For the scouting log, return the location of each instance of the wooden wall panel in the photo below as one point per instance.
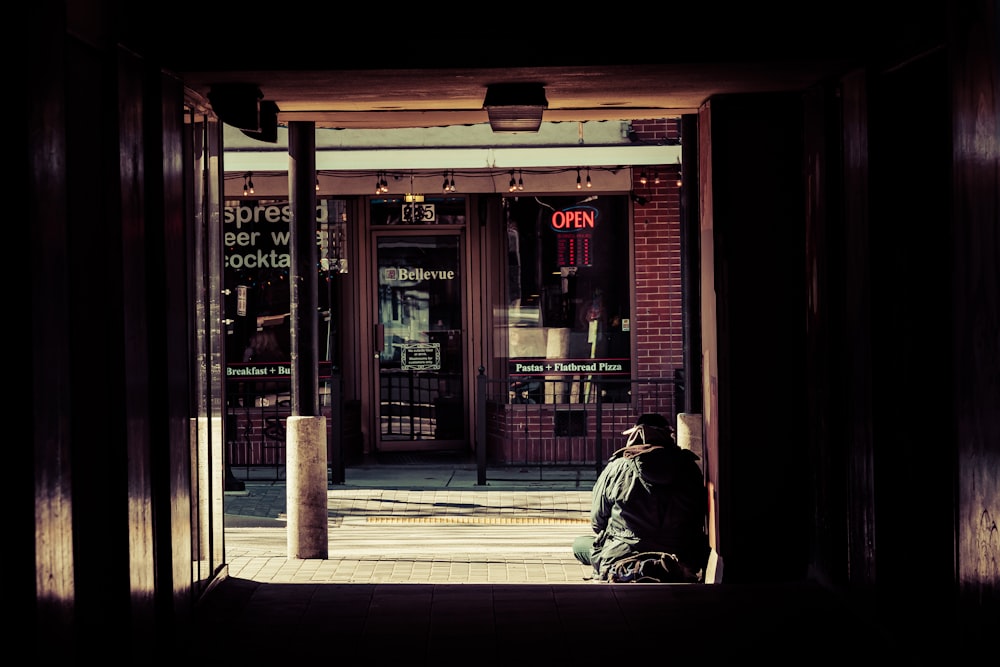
(757, 228)
(44, 519)
(975, 384)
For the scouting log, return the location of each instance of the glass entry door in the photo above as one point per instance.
(418, 342)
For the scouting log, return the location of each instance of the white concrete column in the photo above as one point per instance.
(689, 432)
(207, 472)
(305, 487)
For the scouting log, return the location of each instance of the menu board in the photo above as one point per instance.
(573, 249)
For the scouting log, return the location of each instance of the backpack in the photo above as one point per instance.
(650, 567)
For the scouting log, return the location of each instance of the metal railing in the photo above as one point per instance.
(552, 427)
(255, 427)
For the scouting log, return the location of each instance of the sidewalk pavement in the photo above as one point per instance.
(446, 475)
(400, 539)
(419, 524)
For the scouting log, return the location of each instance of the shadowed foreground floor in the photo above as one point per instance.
(426, 567)
(248, 622)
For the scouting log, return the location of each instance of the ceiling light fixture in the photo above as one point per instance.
(515, 107)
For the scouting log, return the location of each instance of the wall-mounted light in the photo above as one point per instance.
(589, 184)
(248, 183)
(515, 107)
(579, 184)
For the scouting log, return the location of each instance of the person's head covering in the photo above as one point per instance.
(653, 419)
(652, 445)
(650, 428)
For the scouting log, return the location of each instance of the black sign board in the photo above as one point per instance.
(420, 357)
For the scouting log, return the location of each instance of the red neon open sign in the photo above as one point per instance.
(574, 218)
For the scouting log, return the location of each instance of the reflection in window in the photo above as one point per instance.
(257, 263)
(568, 298)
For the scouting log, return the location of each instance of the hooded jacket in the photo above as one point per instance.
(650, 497)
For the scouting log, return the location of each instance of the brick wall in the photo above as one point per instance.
(657, 325)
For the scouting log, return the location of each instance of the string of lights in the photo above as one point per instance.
(382, 177)
(517, 180)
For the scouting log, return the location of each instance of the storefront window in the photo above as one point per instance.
(568, 293)
(258, 299)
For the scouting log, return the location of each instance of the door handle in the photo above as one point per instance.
(379, 342)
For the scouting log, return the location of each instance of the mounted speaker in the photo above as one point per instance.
(237, 104)
(268, 123)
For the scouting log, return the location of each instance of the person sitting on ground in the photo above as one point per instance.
(650, 496)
